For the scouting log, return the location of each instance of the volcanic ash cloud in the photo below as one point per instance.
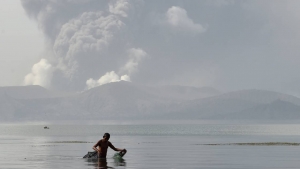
(80, 41)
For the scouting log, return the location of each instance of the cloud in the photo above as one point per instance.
(86, 35)
(109, 77)
(52, 14)
(251, 43)
(89, 38)
(125, 78)
(119, 7)
(41, 74)
(80, 34)
(135, 56)
(177, 17)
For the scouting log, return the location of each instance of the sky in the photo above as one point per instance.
(21, 43)
(80, 44)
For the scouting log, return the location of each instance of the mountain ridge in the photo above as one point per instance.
(126, 100)
(277, 109)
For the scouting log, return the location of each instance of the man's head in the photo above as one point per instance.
(106, 136)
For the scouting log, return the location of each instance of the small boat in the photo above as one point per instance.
(46, 127)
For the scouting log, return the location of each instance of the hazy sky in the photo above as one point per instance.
(21, 43)
(80, 44)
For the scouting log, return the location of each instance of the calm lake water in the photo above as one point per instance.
(150, 146)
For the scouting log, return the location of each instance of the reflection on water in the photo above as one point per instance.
(156, 146)
(98, 163)
(150, 130)
(119, 161)
(102, 162)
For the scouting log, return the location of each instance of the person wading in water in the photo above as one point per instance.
(102, 145)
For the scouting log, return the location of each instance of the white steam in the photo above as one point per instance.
(125, 78)
(135, 56)
(41, 74)
(177, 17)
(109, 77)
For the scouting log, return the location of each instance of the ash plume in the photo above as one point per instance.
(80, 35)
(91, 42)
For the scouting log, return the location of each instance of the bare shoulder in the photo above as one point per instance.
(110, 144)
(99, 142)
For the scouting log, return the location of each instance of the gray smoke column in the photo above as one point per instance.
(93, 42)
(81, 36)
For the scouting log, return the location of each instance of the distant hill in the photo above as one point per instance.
(11, 108)
(209, 108)
(259, 96)
(125, 100)
(184, 92)
(30, 92)
(221, 106)
(276, 110)
(122, 99)
(111, 101)
(25, 92)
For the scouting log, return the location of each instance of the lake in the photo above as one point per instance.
(185, 145)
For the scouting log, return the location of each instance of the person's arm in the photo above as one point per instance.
(96, 145)
(114, 148)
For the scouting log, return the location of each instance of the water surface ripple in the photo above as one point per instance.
(152, 146)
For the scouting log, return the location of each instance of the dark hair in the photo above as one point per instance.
(107, 135)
